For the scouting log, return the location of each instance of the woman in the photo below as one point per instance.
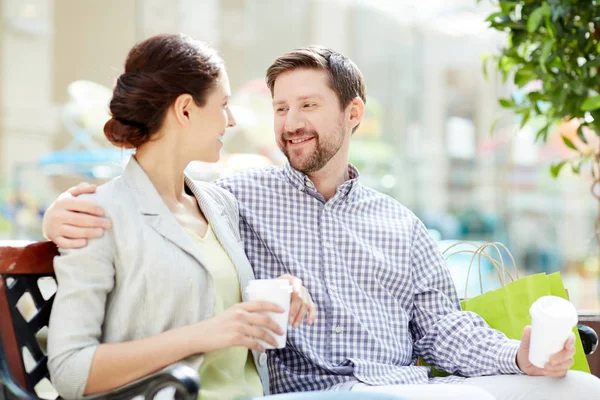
(164, 284)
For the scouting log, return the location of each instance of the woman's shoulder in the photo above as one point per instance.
(113, 196)
(218, 194)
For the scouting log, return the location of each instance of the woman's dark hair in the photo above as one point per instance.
(157, 71)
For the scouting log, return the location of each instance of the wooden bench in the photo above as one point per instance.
(27, 288)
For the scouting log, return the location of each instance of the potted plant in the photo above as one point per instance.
(552, 54)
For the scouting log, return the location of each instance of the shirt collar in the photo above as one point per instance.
(303, 182)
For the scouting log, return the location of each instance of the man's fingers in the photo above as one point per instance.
(76, 232)
(556, 373)
(82, 188)
(526, 338)
(313, 314)
(66, 243)
(80, 205)
(565, 354)
(560, 365)
(295, 308)
(82, 220)
(570, 343)
(303, 311)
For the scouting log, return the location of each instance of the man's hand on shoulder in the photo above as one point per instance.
(71, 220)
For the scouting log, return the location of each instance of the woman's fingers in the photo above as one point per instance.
(259, 333)
(264, 321)
(261, 306)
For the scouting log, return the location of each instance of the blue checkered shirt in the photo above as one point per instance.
(382, 289)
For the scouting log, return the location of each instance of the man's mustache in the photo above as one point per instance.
(299, 134)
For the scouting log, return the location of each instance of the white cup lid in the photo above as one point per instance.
(269, 284)
(554, 308)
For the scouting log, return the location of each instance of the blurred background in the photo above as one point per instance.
(427, 139)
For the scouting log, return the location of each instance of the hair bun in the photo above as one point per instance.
(124, 135)
(157, 71)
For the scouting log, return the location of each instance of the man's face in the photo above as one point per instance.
(309, 124)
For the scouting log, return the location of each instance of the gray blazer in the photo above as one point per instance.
(144, 276)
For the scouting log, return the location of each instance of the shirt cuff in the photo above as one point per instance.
(507, 357)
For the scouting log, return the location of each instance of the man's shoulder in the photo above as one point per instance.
(239, 180)
(386, 202)
(218, 194)
(213, 189)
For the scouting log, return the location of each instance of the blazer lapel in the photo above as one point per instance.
(156, 213)
(222, 227)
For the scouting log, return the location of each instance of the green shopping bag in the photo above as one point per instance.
(507, 308)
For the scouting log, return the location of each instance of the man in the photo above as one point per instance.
(383, 291)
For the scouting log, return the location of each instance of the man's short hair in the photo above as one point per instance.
(345, 79)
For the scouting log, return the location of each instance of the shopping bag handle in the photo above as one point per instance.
(480, 251)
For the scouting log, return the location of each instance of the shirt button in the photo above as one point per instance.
(309, 184)
(329, 245)
(332, 288)
(301, 188)
(338, 329)
(262, 359)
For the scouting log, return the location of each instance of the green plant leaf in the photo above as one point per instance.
(506, 103)
(579, 88)
(493, 125)
(551, 29)
(507, 6)
(535, 18)
(595, 62)
(542, 133)
(526, 116)
(524, 76)
(591, 103)
(555, 168)
(568, 142)
(580, 134)
(484, 59)
(495, 15)
(576, 168)
(545, 53)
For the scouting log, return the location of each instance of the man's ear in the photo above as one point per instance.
(357, 110)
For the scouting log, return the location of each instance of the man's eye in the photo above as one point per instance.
(310, 105)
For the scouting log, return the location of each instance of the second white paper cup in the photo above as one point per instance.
(552, 320)
(276, 291)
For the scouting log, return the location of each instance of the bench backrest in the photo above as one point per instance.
(27, 288)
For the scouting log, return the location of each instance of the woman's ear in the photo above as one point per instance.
(181, 108)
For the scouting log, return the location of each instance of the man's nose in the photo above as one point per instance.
(293, 122)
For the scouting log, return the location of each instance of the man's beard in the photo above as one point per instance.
(324, 151)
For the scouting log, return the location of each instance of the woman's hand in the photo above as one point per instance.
(301, 304)
(239, 325)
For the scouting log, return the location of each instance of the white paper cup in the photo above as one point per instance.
(552, 320)
(276, 291)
